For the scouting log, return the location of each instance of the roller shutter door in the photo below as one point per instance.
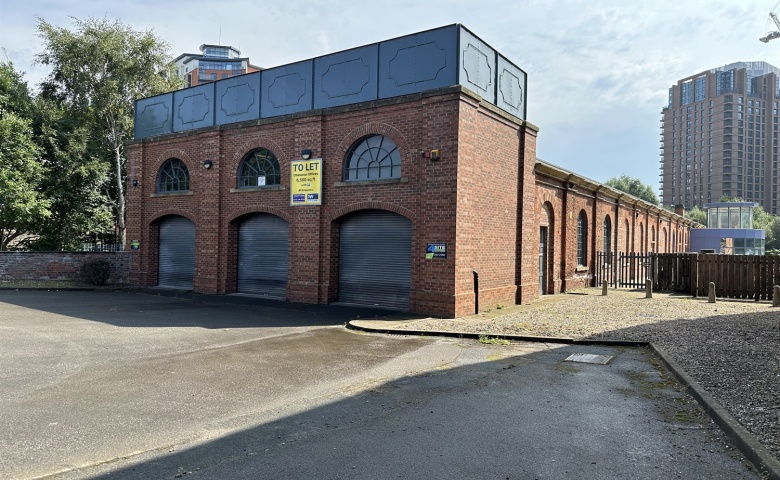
(263, 256)
(375, 259)
(176, 257)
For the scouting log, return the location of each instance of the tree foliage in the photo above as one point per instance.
(98, 70)
(697, 215)
(633, 186)
(22, 205)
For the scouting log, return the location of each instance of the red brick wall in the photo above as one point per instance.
(60, 265)
(483, 198)
(632, 227)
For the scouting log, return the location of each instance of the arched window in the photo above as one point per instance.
(258, 169)
(628, 237)
(653, 245)
(173, 177)
(582, 240)
(372, 158)
(607, 235)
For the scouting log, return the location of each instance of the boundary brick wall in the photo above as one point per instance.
(61, 265)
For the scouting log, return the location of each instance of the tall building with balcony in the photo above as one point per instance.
(215, 62)
(719, 137)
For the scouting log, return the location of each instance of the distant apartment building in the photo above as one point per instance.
(215, 62)
(720, 137)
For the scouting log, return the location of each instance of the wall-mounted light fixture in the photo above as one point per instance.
(207, 164)
(306, 154)
(637, 214)
(135, 182)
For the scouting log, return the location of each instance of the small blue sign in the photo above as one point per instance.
(299, 197)
(312, 196)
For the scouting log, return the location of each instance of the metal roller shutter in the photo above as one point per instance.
(263, 256)
(375, 259)
(176, 257)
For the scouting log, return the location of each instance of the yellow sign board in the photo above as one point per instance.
(306, 182)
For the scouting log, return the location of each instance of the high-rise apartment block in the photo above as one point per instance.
(215, 62)
(720, 137)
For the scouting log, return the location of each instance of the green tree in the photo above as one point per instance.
(75, 181)
(22, 206)
(633, 186)
(697, 215)
(98, 70)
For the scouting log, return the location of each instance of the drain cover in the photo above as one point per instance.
(589, 358)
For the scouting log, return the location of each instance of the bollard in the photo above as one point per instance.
(776, 296)
(648, 288)
(604, 288)
(712, 292)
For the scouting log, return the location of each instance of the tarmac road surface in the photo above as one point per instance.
(133, 385)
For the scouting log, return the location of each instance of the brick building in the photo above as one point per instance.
(424, 175)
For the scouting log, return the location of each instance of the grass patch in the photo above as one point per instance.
(488, 340)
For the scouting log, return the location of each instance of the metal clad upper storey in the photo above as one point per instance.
(418, 62)
(442, 57)
(477, 66)
(154, 116)
(194, 108)
(287, 89)
(238, 99)
(346, 77)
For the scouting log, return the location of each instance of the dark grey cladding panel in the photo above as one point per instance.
(477, 66)
(154, 116)
(346, 77)
(286, 89)
(512, 88)
(238, 99)
(193, 107)
(418, 62)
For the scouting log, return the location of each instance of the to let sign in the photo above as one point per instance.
(306, 182)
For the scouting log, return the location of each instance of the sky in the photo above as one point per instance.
(599, 71)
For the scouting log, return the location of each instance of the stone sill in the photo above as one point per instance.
(372, 182)
(257, 189)
(171, 194)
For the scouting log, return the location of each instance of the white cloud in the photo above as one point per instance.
(599, 71)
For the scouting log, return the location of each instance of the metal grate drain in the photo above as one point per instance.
(589, 358)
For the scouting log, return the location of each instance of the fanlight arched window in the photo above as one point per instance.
(372, 158)
(258, 169)
(582, 240)
(173, 177)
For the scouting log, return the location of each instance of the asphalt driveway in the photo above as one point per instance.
(140, 385)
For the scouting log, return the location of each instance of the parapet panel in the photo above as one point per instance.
(424, 61)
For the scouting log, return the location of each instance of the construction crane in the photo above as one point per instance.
(771, 35)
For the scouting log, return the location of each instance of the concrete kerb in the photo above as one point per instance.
(762, 459)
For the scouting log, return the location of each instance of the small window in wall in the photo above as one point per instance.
(258, 169)
(173, 177)
(582, 240)
(372, 158)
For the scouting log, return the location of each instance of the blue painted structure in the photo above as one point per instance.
(729, 230)
(423, 61)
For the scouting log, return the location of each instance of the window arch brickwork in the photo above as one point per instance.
(375, 157)
(173, 177)
(259, 168)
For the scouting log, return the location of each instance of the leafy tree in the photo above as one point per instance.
(76, 177)
(697, 215)
(21, 204)
(98, 70)
(22, 207)
(633, 186)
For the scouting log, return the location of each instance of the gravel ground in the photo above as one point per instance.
(731, 348)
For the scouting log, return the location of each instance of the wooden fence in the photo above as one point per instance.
(735, 276)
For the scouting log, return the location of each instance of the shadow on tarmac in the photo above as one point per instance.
(168, 308)
(522, 417)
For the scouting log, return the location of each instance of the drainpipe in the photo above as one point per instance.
(476, 291)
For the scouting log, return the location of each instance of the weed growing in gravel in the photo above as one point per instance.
(493, 340)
